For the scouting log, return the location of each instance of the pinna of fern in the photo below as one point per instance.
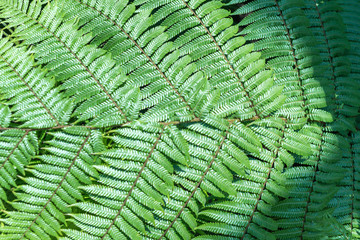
(346, 201)
(158, 74)
(35, 101)
(350, 14)
(248, 213)
(144, 53)
(144, 169)
(209, 170)
(87, 74)
(312, 186)
(279, 29)
(52, 185)
(341, 88)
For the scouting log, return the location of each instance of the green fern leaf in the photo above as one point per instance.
(35, 101)
(93, 81)
(143, 163)
(345, 201)
(248, 213)
(53, 184)
(17, 148)
(312, 186)
(328, 28)
(279, 30)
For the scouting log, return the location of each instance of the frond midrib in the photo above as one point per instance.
(293, 53)
(316, 170)
(330, 57)
(264, 185)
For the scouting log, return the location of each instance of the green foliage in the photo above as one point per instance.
(179, 119)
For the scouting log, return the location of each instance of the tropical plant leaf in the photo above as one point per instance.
(179, 119)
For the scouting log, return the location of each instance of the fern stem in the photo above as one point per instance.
(252, 105)
(58, 187)
(195, 120)
(31, 90)
(142, 51)
(135, 182)
(198, 184)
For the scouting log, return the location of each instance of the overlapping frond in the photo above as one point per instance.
(134, 183)
(17, 147)
(342, 91)
(215, 154)
(52, 185)
(346, 201)
(203, 30)
(248, 214)
(350, 12)
(88, 74)
(145, 54)
(279, 30)
(35, 100)
(168, 119)
(312, 185)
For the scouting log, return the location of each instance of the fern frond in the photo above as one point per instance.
(17, 147)
(312, 186)
(279, 30)
(203, 30)
(346, 200)
(230, 215)
(350, 13)
(145, 54)
(43, 201)
(213, 155)
(134, 183)
(248, 214)
(208, 172)
(329, 30)
(89, 75)
(35, 101)
(169, 119)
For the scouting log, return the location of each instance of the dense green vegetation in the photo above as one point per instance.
(179, 119)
